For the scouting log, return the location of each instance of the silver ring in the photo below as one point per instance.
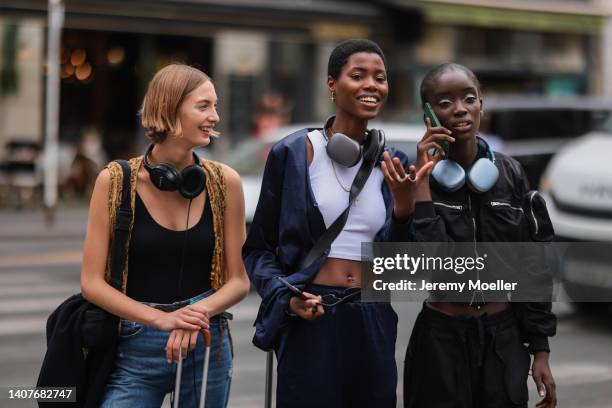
(406, 177)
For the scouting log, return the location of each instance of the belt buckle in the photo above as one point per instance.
(331, 300)
(166, 308)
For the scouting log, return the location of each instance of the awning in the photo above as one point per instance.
(555, 19)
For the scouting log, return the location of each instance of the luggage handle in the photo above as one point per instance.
(179, 370)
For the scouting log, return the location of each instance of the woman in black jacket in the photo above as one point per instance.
(471, 351)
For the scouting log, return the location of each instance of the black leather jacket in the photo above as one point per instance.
(509, 212)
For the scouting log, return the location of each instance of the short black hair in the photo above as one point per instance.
(429, 82)
(345, 49)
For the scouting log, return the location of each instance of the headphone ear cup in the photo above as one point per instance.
(482, 176)
(449, 175)
(343, 150)
(382, 142)
(376, 146)
(372, 144)
(165, 177)
(193, 181)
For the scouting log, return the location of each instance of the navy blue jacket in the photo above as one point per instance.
(286, 225)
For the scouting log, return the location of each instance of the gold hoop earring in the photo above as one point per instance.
(333, 97)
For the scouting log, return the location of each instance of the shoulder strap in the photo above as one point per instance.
(332, 232)
(122, 227)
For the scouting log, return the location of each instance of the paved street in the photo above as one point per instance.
(39, 267)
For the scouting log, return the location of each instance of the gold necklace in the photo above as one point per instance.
(338, 179)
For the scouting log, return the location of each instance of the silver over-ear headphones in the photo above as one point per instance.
(346, 151)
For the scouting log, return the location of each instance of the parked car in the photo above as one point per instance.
(577, 185)
(249, 157)
(533, 129)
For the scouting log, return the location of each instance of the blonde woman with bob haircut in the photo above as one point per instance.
(184, 267)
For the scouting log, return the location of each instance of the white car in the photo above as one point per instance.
(248, 158)
(577, 186)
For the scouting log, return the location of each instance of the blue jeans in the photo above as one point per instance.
(142, 376)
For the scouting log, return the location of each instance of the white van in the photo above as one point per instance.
(577, 186)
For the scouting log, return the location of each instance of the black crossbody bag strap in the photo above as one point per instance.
(123, 220)
(332, 232)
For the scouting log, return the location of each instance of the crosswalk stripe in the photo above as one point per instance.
(29, 305)
(23, 277)
(29, 290)
(22, 325)
(52, 258)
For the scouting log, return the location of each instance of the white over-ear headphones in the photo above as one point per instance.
(481, 177)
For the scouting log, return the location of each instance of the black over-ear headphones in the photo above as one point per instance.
(189, 182)
(347, 152)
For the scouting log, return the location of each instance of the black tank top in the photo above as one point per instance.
(154, 266)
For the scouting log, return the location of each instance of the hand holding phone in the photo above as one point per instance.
(292, 288)
(315, 310)
(435, 122)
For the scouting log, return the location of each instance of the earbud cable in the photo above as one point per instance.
(180, 282)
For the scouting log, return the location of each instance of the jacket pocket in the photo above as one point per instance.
(507, 221)
(440, 205)
(515, 360)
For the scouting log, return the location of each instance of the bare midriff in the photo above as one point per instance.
(346, 273)
(339, 272)
(456, 309)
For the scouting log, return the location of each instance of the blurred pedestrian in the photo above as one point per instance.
(272, 111)
(469, 352)
(184, 259)
(331, 353)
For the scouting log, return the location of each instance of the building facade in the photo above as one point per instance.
(111, 48)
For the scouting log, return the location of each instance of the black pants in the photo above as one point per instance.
(345, 358)
(465, 362)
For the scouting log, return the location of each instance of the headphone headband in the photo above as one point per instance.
(148, 166)
(488, 150)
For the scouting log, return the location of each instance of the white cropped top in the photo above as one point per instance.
(331, 183)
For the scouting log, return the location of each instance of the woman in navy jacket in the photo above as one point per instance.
(342, 355)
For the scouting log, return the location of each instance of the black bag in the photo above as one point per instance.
(81, 337)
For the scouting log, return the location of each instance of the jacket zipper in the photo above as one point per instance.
(454, 207)
(473, 221)
(502, 204)
(535, 220)
(475, 250)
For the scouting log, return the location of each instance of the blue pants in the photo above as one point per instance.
(345, 358)
(142, 376)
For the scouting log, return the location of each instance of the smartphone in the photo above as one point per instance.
(292, 288)
(435, 122)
